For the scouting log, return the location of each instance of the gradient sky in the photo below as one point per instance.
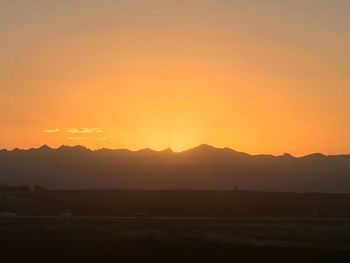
(268, 76)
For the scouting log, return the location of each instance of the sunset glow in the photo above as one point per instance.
(255, 76)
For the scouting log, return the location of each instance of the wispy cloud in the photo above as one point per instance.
(77, 138)
(84, 130)
(52, 130)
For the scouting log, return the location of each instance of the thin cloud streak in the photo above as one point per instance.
(52, 130)
(77, 138)
(84, 130)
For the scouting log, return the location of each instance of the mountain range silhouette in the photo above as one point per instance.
(202, 167)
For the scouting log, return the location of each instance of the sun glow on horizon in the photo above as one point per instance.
(258, 77)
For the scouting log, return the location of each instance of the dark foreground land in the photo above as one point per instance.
(131, 203)
(53, 239)
(173, 226)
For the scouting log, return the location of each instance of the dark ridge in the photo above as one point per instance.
(202, 167)
(315, 155)
(73, 148)
(287, 155)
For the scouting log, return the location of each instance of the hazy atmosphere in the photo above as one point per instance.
(175, 131)
(257, 76)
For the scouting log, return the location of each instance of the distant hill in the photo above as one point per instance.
(203, 167)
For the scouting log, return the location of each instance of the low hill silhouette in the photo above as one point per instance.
(203, 167)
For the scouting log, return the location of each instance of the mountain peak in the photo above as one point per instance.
(203, 167)
(315, 155)
(17, 150)
(45, 147)
(203, 147)
(145, 150)
(287, 155)
(206, 148)
(76, 147)
(168, 150)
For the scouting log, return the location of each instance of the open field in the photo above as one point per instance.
(174, 226)
(130, 203)
(54, 239)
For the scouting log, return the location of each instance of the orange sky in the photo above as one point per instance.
(257, 76)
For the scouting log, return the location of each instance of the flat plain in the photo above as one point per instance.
(173, 226)
(87, 239)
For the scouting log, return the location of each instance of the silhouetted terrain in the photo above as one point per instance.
(40, 239)
(203, 167)
(131, 203)
(172, 226)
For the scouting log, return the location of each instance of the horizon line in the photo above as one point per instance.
(168, 149)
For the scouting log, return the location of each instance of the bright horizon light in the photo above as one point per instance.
(255, 76)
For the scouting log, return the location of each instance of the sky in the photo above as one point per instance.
(268, 76)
